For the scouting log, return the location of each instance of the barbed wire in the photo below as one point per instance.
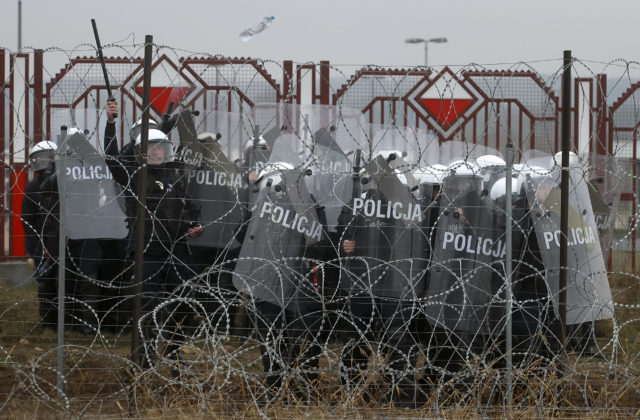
(353, 254)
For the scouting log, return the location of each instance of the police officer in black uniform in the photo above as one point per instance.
(82, 259)
(41, 160)
(383, 276)
(116, 267)
(169, 218)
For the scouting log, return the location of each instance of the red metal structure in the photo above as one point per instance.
(487, 107)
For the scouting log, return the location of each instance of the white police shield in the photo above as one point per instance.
(385, 223)
(460, 277)
(330, 181)
(284, 223)
(92, 206)
(588, 293)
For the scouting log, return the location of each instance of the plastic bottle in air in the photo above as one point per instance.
(264, 23)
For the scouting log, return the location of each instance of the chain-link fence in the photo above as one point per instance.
(293, 239)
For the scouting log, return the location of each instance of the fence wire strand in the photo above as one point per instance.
(320, 241)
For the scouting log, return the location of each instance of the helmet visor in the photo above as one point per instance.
(41, 160)
(159, 153)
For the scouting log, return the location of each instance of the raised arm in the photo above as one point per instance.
(116, 166)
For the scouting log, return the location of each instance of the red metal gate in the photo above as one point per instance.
(487, 107)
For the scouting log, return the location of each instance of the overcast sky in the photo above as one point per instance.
(354, 32)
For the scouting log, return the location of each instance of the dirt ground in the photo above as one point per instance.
(222, 381)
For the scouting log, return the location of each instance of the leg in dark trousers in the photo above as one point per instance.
(271, 324)
(214, 288)
(115, 272)
(84, 257)
(400, 346)
(47, 279)
(164, 312)
(308, 332)
(358, 342)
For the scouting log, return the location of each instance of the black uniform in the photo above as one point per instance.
(383, 278)
(280, 240)
(33, 215)
(169, 213)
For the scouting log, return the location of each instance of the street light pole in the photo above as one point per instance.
(426, 45)
(19, 25)
(426, 54)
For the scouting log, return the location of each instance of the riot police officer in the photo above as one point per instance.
(41, 160)
(170, 217)
(383, 261)
(116, 267)
(274, 262)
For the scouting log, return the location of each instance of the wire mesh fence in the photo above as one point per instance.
(385, 242)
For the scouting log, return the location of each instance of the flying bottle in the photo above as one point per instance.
(263, 24)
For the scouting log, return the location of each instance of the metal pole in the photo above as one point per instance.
(19, 25)
(426, 54)
(62, 254)
(564, 197)
(142, 200)
(508, 267)
(636, 201)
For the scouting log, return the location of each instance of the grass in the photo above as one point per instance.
(222, 378)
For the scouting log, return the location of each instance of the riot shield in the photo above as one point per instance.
(234, 129)
(257, 150)
(92, 207)
(588, 292)
(407, 149)
(464, 151)
(385, 222)
(428, 195)
(213, 182)
(331, 181)
(605, 188)
(418, 146)
(283, 224)
(460, 278)
(305, 120)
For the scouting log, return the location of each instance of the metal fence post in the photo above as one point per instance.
(62, 255)
(564, 198)
(508, 273)
(142, 201)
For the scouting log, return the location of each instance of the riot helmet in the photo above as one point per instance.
(258, 143)
(499, 189)
(556, 160)
(42, 155)
(134, 132)
(74, 130)
(272, 173)
(430, 179)
(489, 161)
(160, 150)
(207, 136)
(431, 174)
(462, 176)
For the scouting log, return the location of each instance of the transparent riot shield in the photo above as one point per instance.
(605, 187)
(385, 223)
(284, 223)
(461, 277)
(454, 150)
(213, 180)
(234, 129)
(588, 292)
(331, 182)
(92, 207)
(305, 120)
(418, 146)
